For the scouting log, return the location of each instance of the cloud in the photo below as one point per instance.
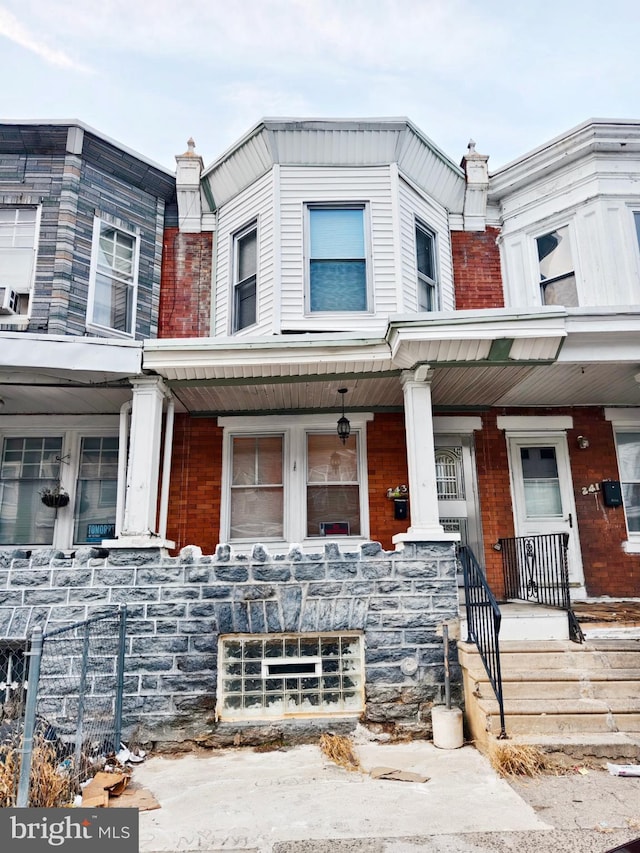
(12, 29)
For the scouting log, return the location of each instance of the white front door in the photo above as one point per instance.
(543, 493)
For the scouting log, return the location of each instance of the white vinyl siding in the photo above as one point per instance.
(604, 253)
(253, 204)
(370, 187)
(414, 207)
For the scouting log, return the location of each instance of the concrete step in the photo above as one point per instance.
(556, 690)
(557, 724)
(554, 655)
(563, 684)
(572, 747)
(526, 622)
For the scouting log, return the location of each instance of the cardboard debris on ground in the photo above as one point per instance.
(103, 785)
(135, 798)
(397, 775)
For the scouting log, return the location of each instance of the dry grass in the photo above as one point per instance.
(49, 787)
(514, 759)
(339, 749)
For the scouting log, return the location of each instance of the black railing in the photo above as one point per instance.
(483, 623)
(536, 570)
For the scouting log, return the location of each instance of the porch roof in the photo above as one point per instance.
(479, 358)
(64, 373)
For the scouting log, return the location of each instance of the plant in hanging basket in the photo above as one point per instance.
(55, 497)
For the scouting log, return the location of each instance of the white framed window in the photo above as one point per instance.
(245, 271)
(293, 482)
(428, 297)
(18, 248)
(626, 432)
(263, 676)
(81, 461)
(636, 220)
(628, 448)
(114, 279)
(557, 268)
(257, 487)
(337, 258)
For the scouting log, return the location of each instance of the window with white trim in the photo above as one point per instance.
(81, 463)
(114, 278)
(333, 486)
(636, 219)
(426, 268)
(286, 675)
(245, 269)
(557, 269)
(337, 258)
(257, 489)
(18, 246)
(293, 482)
(628, 446)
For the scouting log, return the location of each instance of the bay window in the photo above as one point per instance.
(245, 267)
(426, 269)
(557, 272)
(337, 258)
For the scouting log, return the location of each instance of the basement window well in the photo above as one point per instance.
(290, 675)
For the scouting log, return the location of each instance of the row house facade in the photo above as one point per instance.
(357, 355)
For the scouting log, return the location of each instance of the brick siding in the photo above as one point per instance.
(185, 296)
(476, 269)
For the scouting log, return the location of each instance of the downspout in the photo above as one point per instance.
(166, 468)
(123, 458)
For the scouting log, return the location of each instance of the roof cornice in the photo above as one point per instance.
(592, 137)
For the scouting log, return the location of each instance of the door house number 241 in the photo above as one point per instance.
(592, 487)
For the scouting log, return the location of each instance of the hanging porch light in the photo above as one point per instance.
(344, 426)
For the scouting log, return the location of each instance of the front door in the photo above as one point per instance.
(543, 493)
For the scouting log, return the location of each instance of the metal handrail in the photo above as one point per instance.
(483, 623)
(536, 570)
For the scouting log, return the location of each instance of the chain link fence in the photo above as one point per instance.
(65, 697)
(13, 665)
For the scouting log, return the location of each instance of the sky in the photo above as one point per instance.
(511, 74)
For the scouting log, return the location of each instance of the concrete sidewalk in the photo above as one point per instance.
(297, 800)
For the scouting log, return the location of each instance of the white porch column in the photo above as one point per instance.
(139, 526)
(423, 494)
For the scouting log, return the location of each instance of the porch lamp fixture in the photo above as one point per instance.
(344, 427)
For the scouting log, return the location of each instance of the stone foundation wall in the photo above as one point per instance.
(178, 606)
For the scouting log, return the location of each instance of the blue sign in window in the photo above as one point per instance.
(98, 532)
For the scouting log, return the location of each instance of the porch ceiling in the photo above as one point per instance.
(453, 387)
(50, 399)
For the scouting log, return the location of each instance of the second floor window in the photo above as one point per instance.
(17, 257)
(112, 302)
(337, 258)
(426, 266)
(557, 274)
(245, 267)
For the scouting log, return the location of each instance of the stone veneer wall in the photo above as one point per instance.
(177, 607)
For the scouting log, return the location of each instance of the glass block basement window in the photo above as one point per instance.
(278, 675)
